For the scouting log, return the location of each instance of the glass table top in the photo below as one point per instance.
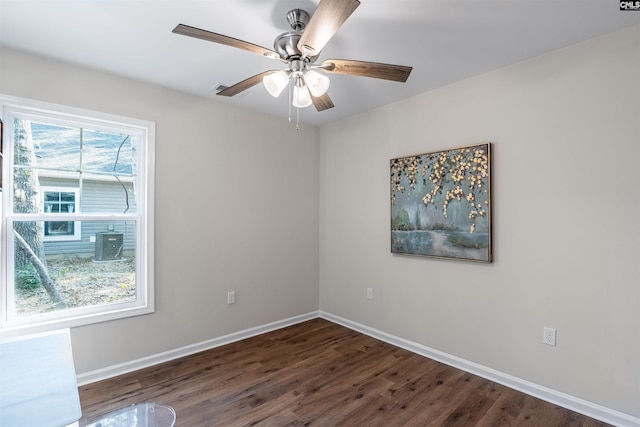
(148, 414)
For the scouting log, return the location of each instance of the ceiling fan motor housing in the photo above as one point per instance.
(286, 44)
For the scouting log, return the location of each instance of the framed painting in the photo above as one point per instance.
(441, 204)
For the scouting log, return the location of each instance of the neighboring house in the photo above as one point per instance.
(97, 181)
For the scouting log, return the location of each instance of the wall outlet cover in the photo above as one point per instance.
(549, 336)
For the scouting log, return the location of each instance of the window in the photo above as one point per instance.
(77, 216)
(60, 200)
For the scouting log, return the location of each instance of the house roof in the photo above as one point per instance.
(103, 154)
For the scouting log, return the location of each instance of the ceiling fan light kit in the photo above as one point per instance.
(299, 49)
(317, 83)
(301, 95)
(276, 82)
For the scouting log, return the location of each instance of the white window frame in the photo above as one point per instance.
(144, 131)
(77, 231)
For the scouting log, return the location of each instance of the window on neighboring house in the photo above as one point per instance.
(77, 216)
(61, 200)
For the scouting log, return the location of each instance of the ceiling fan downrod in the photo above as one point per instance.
(298, 19)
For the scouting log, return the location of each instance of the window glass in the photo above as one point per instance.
(75, 241)
(84, 275)
(60, 201)
(55, 147)
(108, 153)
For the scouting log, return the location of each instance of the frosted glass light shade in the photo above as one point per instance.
(301, 97)
(275, 83)
(317, 83)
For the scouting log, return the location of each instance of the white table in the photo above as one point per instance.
(38, 385)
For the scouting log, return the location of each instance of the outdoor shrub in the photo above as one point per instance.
(27, 278)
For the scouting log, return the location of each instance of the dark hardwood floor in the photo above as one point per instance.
(318, 373)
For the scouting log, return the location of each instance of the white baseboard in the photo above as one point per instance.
(123, 368)
(573, 403)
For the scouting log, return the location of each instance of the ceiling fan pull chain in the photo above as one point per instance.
(290, 101)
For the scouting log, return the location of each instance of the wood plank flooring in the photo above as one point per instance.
(318, 373)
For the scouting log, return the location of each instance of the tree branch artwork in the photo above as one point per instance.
(441, 204)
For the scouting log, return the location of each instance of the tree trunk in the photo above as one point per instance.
(45, 279)
(26, 194)
(29, 235)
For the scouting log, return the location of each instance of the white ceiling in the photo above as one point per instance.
(444, 40)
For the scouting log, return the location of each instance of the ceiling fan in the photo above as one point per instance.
(299, 49)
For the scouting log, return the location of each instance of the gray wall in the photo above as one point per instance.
(236, 208)
(565, 202)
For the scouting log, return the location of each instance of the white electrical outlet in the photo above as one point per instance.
(549, 336)
(369, 293)
(231, 297)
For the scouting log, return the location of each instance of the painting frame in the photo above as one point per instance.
(441, 204)
(1, 152)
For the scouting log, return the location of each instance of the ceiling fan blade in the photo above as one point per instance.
(328, 17)
(322, 102)
(398, 73)
(186, 30)
(245, 84)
